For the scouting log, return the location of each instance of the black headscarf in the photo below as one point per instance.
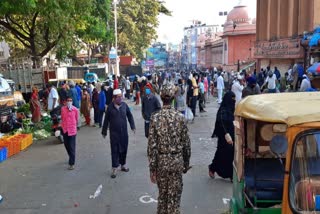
(225, 116)
(228, 102)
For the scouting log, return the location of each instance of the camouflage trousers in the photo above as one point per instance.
(170, 190)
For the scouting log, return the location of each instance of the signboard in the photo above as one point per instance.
(194, 38)
(94, 60)
(283, 49)
(150, 62)
(113, 53)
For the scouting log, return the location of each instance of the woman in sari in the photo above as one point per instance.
(86, 106)
(35, 105)
(224, 130)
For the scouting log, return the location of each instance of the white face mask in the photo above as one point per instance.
(69, 104)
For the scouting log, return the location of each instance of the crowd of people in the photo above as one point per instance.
(165, 126)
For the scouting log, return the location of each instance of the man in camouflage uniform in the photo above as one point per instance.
(168, 152)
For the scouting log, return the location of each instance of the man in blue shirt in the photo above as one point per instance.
(73, 93)
(78, 88)
(102, 104)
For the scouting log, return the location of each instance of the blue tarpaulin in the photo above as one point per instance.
(315, 37)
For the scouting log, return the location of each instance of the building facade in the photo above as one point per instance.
(280, 27)
(233, 46)
(190, 44)
(4, 51)
(239, 34)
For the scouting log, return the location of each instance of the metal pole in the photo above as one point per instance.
(115, 25)
(116, 70)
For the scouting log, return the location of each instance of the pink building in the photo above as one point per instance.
(236, 43)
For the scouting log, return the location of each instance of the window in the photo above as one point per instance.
(304, 187)
(1, 53)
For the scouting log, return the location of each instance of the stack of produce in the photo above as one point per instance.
(41, 134)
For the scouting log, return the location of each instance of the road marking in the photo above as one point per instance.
(97, 192)
(147, 199)
(226, 200)
(205, 139)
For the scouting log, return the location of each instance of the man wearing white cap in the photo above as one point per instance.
(305, 84)
(115, 120)
(237, 88)
(220, 87)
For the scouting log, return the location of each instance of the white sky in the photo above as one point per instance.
(206, 11)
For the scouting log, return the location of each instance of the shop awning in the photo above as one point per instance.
(248, 66)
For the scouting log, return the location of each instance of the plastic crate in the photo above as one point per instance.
(26, 141)
(13, 145)
(3, 154)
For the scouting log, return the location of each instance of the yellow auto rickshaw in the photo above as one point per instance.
(277, 154)
(57, 82)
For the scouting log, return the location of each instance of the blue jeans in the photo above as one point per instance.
(194, 105)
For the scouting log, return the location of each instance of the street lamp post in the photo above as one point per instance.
(116, 70)
(115, 24)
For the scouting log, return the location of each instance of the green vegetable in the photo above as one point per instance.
(27, 130)
(41, 134)
(24, 109)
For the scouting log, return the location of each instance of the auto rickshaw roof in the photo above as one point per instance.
(289, 108)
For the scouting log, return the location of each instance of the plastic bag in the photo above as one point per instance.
(188, 114)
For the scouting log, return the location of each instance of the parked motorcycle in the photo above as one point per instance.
(56, 123)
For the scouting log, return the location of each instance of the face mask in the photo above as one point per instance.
(118, 100)
(69, 104)
(148, 91)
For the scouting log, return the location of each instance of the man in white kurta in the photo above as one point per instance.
(220, 87)
(237, 88)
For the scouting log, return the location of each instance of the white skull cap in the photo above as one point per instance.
(117, 92)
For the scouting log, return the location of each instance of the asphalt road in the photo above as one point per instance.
(37, 181)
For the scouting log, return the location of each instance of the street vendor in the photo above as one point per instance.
(35, 105)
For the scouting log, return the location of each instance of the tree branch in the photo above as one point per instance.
(46, 35)
(27, 25)
(34, 22)
(22, 41)
(49, 46)
(13, 30)
(15, 23)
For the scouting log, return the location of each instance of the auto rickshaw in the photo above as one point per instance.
(277, 154)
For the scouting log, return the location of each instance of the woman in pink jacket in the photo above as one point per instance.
(69, 118)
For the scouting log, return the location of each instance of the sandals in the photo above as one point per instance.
(113, 174)
(124, 169)
(211, 174)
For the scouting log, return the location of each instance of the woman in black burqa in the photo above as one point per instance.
(224, 130)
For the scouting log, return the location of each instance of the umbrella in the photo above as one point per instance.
(314, 69)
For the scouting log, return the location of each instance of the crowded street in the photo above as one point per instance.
(159, 107)
(43, 184)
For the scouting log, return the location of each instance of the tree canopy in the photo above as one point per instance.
(38, 26)
(137, 23)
